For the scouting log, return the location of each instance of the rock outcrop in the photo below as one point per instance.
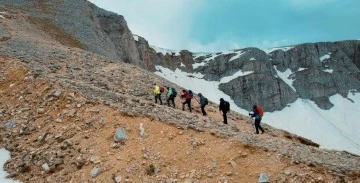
(317, 70)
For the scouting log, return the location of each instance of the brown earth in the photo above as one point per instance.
(99, 95)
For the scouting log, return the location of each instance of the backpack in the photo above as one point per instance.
(191, 94)
(260, 110)
(162, 89)
(206, 101)
(174, 92)
(226, 106)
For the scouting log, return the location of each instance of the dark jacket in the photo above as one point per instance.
(202, 100)
(222, 106)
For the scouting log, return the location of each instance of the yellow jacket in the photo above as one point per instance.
(157, 90)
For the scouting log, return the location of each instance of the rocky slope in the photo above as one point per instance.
(60, 107)
(107, 34)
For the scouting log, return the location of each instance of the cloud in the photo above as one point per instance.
(218, 45)
(163, 23)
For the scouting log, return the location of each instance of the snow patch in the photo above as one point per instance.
(303, 117)
(252, 59)
(325, 57)
(136, 37)
(328, 70)
(237, 74)
(182, 65)
(210, 89)
(285, 76)
(238, 55)
(301, 69)
(4, 156)
(306, 119)
(165, 51)
(287, 48)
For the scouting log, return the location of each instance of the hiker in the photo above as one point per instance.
(257, 113)
(224, 107)
(157, 93)
(203, 102)
(171, 94)
(187, 97)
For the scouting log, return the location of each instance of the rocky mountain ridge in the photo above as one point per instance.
(107, 34)
(60, 106)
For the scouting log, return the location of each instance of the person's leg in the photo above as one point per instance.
(155, 99)
(183, 105)
(257, 124)
(160, 99)
(262, 130)
(203, 110)
(225, 117)
(189, 104)
(173, 101)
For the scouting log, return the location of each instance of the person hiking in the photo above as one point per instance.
(257, 113)
(171, 96)
(157, 93)
(203, 102)
(186, 95)
(224, 107)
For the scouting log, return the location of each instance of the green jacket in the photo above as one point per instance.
(170, 92)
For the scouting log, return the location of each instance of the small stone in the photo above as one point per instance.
(263, 178)
(120, 135)
(71, 113)
(58, 120)
(287, 172)
(57, 93)
(93, 159)
(46, 167)
(228, 173)
(142, 130)
(9, 124)
(95, 172)
(118, 179)
(41, 111)
(78, 105)
(320, 178)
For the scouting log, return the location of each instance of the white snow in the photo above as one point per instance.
(301, 69)
(2, 17)
(198, 85)
(286, 77)
(182, 65)
(336, 128)
(252, 58)
(324, 57)
(237, 74)
(165, 51)
(286, 48)
(238, 55)
(4, 156)
(206, 61)
(328, 70)
(136, 37)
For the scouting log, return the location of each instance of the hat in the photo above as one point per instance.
(221, 99)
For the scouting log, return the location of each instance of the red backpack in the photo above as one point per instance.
(260, 110)
(162, 89)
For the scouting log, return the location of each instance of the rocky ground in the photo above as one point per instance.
(60, 107)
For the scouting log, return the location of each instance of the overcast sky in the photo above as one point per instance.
(215, 25)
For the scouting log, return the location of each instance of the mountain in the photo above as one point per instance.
(70, 79)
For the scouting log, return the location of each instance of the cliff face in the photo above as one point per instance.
(315, 70)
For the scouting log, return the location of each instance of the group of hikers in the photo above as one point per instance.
(187, 96)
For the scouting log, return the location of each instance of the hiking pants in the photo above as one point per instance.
(171, 98)
(203, 110)
(188, 102)
(257, 125)
(158, 96)
(225, 117)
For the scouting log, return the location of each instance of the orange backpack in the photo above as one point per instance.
(260, 110)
